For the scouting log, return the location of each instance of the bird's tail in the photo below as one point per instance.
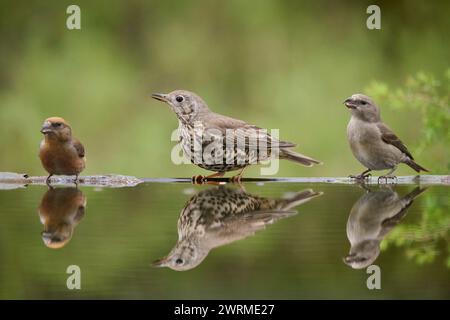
(414, 194)
(406, 202)
(415, 165)
(297, 157)
(298, 198)
(282, 210)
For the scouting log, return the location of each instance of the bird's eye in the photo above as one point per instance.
(179, 98)
(57, 124)
(179, 261)
(363, 102)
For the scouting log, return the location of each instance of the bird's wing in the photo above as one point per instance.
(240, 226)
(390, 138)
(241, 130)
(404, 203)
(79, 147)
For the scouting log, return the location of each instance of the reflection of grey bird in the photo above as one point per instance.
(372, 142)
(219, 216)
(193, 112)
(371, 218)
(61, 209)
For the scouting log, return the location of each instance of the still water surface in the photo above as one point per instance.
(267, 241)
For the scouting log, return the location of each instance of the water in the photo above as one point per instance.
(265, 251)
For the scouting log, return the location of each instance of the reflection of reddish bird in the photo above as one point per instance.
(61, 209)
(60, 153)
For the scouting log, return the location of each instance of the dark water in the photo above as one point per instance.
(236, 244)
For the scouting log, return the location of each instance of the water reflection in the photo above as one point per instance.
(222, 215)
(371, 218)
(61, 209)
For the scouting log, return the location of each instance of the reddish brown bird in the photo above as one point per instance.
(60, 153)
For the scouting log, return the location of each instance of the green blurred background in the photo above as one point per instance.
(278, 64)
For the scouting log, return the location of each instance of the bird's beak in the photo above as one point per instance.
(160, 263)
(46, 127)
(47, 237)
(349, 103)
(160, 96)
(349, 258)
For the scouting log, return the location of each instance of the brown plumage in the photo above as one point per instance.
(389, 137)
(59, 152)
(61, 209)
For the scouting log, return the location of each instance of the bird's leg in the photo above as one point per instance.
(47, 181)
(388, 176)
(363, 186)
(362, 176)
(215, 175)
(202, 179)
(76, 180)
(237, 178)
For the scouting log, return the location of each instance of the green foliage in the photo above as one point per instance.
(422, 240)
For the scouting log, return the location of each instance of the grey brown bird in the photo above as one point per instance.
(61, 209)
(198, 125)
(59, 151)
(221, 215)
(372, 142)
(371, 218)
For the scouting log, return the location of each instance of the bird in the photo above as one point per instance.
(372, 142)
(231, 141)
(60, 210)
(371, 218)
(221, 215)
(60, 153)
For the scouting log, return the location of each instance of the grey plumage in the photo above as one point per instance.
(372, 142)
(221, 215)
(193, 112)
(371, 218)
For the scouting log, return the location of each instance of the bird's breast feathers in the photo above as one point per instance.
(362, 132)
(368, 147)
(61, 158)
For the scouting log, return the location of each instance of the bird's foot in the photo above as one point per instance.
(363, 186)
(387, 178)
(361, 177)
(236, 179)
(48, 181)
(200, 180)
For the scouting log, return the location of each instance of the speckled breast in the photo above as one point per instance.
(211, 153)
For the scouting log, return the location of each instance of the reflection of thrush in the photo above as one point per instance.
(221, 215)
(371, 218)
(226, 144)
(61, 209)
